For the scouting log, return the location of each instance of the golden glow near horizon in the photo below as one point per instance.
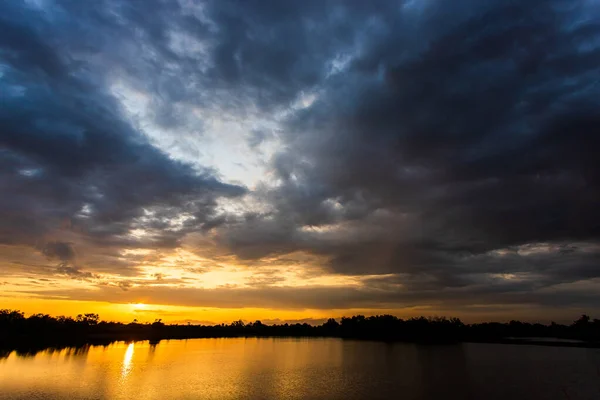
(145, 293)
(180, 314)
(185, 286)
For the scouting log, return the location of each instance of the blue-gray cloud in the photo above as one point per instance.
(67, 150)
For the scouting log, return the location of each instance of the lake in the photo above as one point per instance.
(301, 369)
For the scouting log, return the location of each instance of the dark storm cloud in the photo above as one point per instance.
(471, 127)
(458, 132)
(66, 150)
(444, 140)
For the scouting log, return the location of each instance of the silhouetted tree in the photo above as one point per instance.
(331, 326)
(238, 324)
(158, 323)
(87, 319)
(584, 320)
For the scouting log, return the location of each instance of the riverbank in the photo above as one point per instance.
(40, 330)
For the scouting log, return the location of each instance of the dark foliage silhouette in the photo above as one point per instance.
(42, 330)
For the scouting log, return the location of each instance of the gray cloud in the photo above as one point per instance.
(68, 152)
(74, 272)
(59, 250)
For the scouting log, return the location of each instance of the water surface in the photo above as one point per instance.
(301, 369)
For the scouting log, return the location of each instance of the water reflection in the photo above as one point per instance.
(4, 353)
(32, 351)
(76, 352)
(126, 368)
(444, 372)
(300, 369)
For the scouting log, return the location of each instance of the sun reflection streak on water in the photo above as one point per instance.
(127, 361)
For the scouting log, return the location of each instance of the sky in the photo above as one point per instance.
(209, 161)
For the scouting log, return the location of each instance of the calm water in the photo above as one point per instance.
(302, 369)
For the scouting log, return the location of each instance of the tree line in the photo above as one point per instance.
(45, 330)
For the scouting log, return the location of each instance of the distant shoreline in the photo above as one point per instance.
(40, 331)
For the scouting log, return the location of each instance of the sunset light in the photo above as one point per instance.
(139, 306)
(299, 199)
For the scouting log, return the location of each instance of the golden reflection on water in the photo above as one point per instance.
(329, 369)
(200, 369)
(127, 360)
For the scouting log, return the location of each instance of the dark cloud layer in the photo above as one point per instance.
(67, 151)
(482, 136)
(450, 145)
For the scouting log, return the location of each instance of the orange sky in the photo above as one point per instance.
(181, 286)
(177, 314)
